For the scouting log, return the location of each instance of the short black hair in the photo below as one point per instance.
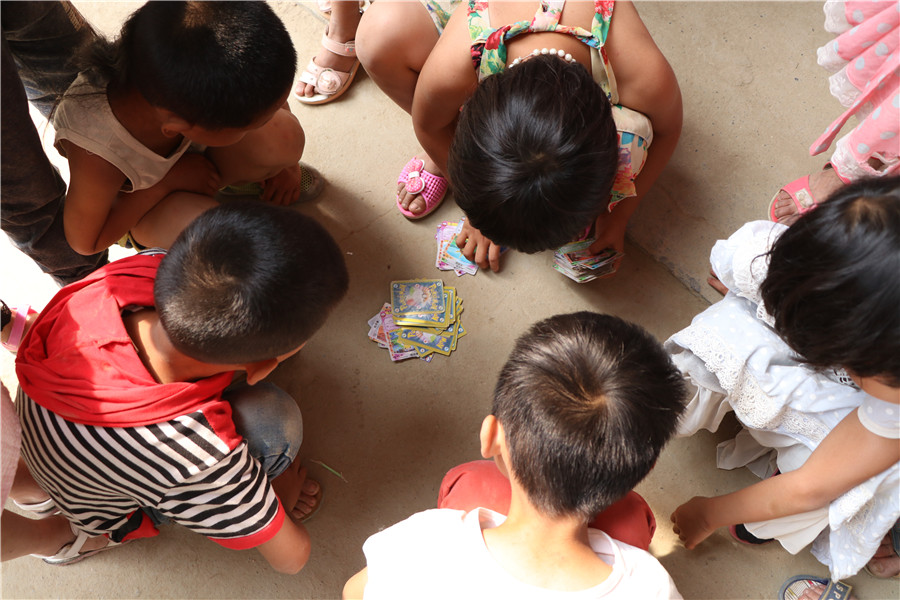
(833, 282)
(246, 282)
(587, 402)
(535, 154)
(214, 64)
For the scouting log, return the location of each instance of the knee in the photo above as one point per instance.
(285, 140)
(378, 42)
(270, 421)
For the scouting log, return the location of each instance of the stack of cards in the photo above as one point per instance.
(577, 263)
(449, 256)
(421, 320)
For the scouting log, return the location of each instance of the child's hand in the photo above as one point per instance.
(478, 248)
(690, 522)
(283, 188)
(193, 173)
(608, 235)
(715, 283)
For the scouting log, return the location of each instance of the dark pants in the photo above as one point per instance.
(39, 41)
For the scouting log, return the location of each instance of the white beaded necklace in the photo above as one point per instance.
(560, 53)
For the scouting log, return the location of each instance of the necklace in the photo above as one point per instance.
(551, 51)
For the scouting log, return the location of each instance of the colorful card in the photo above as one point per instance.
(416, 296)
(440, 343)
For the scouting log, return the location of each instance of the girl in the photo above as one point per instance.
(181, 74)
(806, 352)
(865, 64)
(535, 154)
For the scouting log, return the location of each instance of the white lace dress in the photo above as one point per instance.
(738, 363)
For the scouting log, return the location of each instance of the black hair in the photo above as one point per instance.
(214, 64)
(587, 402)
(246, 282)
(833, 282)
(535, 154)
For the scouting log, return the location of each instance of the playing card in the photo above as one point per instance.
(416, 296)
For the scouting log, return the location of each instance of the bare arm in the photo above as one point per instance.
(848, 456)
(446, 81)
(97, 214)
(289, 550)
(356, 585)
(647, 84)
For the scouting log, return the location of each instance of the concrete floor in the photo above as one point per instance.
(754, 100)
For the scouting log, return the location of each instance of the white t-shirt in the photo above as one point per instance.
(440, 553)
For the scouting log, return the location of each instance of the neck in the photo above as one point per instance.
(162, 360)
(548, 552)
(140, 118)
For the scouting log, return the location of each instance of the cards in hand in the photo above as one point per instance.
(421, 320)
(449, 256)
(577, 263)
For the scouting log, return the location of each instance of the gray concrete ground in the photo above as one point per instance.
(754, 99)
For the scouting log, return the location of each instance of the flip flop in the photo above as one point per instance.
(739, 532)
(793, 587)
(432, 188)
(311, 184)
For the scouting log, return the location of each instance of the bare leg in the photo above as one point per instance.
(394, 40)
(23, 536)
(263, 152)
(159, 227)
(342, 26)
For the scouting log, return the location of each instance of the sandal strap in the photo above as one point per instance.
(341, 49)
(18, 328)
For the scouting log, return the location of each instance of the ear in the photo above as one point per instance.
(491, 437)
(257, 371)
(172, 124)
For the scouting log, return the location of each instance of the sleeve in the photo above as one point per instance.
(880, 417)
(231, 503)
(740, 262)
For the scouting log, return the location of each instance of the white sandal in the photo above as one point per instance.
(71, 553)
(329, 84)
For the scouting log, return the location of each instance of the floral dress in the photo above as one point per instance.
(489, 57)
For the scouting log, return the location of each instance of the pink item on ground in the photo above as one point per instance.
(432, 188)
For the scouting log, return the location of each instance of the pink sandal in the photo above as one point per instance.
(329, 84)
(432, 188)
(800, 194)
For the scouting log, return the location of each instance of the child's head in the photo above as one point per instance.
(833, 283)
(586, 402)
(535, 154)
(247, 282)
(216, 65)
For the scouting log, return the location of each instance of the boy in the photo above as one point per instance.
(581, 411)
(123, 399)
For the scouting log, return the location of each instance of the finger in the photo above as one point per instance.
(717, 285)
(494, 257)
(469, 249)
(481, 258)
(461, 238)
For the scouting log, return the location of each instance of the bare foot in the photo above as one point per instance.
(885, 563)
(822, 184)
(415, 203)
(714, 282)
(341, 30)
(308, 502)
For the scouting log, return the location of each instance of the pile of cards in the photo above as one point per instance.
(449, 256)
(421, 320)
(577, 263)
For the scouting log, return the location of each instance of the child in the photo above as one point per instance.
(181, 75)
(128, 369)
(806, 352)
(582, 409)
(533, 154)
